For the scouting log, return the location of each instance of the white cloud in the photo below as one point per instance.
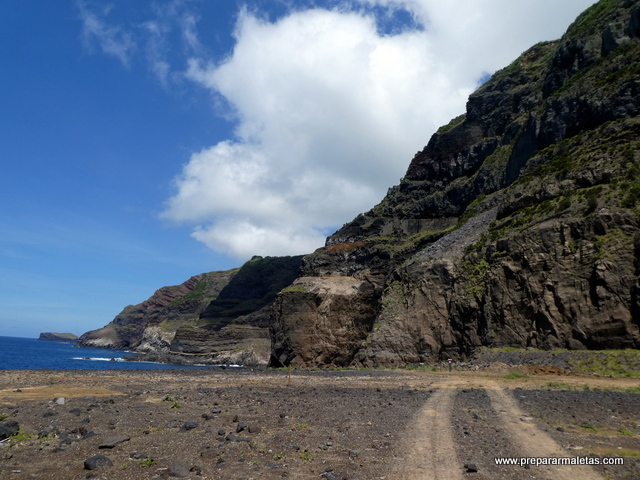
(154, 35)
(158, 37)
(244, 238)
(113, 40)
(154, 50)
(329, 112)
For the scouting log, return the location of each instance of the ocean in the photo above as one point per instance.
(30, 354)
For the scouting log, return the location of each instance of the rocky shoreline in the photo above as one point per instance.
(238, 359)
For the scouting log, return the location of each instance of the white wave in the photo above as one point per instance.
(98, 359)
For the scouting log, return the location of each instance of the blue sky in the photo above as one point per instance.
(146, 142)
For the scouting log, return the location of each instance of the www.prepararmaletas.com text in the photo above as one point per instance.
(538, 461)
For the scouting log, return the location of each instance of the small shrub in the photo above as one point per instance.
(559, 386)
(631, 389)
(149, 462)
(632, 196)
(307, 456)
(628, 453)
(21, 436)
(564, 203)
(293, 289)
(590, 427)
(625, 431)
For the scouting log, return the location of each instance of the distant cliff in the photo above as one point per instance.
(517, 225)
(151, 325)
(58, 337)
(216, 317)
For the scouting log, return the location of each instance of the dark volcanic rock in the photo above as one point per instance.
(189, 425)
(98, 462)
(233, 308)
(111, 442)
(238, 318)
(151, 325)
(8, 428)
(471, 467)
(250, 290)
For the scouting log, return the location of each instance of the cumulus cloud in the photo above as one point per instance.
(331, 104)
(329, 113)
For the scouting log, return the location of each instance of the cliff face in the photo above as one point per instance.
(517, 225)
(151, 325)
(217, 317)
(233, 328)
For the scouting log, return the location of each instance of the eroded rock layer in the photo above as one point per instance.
(216, 317)
(152, 324)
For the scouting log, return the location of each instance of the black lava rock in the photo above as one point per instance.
(8, 428)
(98, 462)
(471, 467)
(189, 425)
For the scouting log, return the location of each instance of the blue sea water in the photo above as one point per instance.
(29, 354)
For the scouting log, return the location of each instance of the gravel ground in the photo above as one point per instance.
(595, 422)
(242, 424)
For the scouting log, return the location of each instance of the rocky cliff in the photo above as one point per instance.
(152, 324)
(216, 317)
(233, 328)
(517, 225)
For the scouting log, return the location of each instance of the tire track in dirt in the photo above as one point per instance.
(430, 448)
(533, 442)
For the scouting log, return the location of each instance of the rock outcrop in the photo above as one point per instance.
(58, 337)
(216, 317)
(233, 328)
(517, 225)
(152, 324)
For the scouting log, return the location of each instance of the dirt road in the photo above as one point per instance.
(432, 448)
